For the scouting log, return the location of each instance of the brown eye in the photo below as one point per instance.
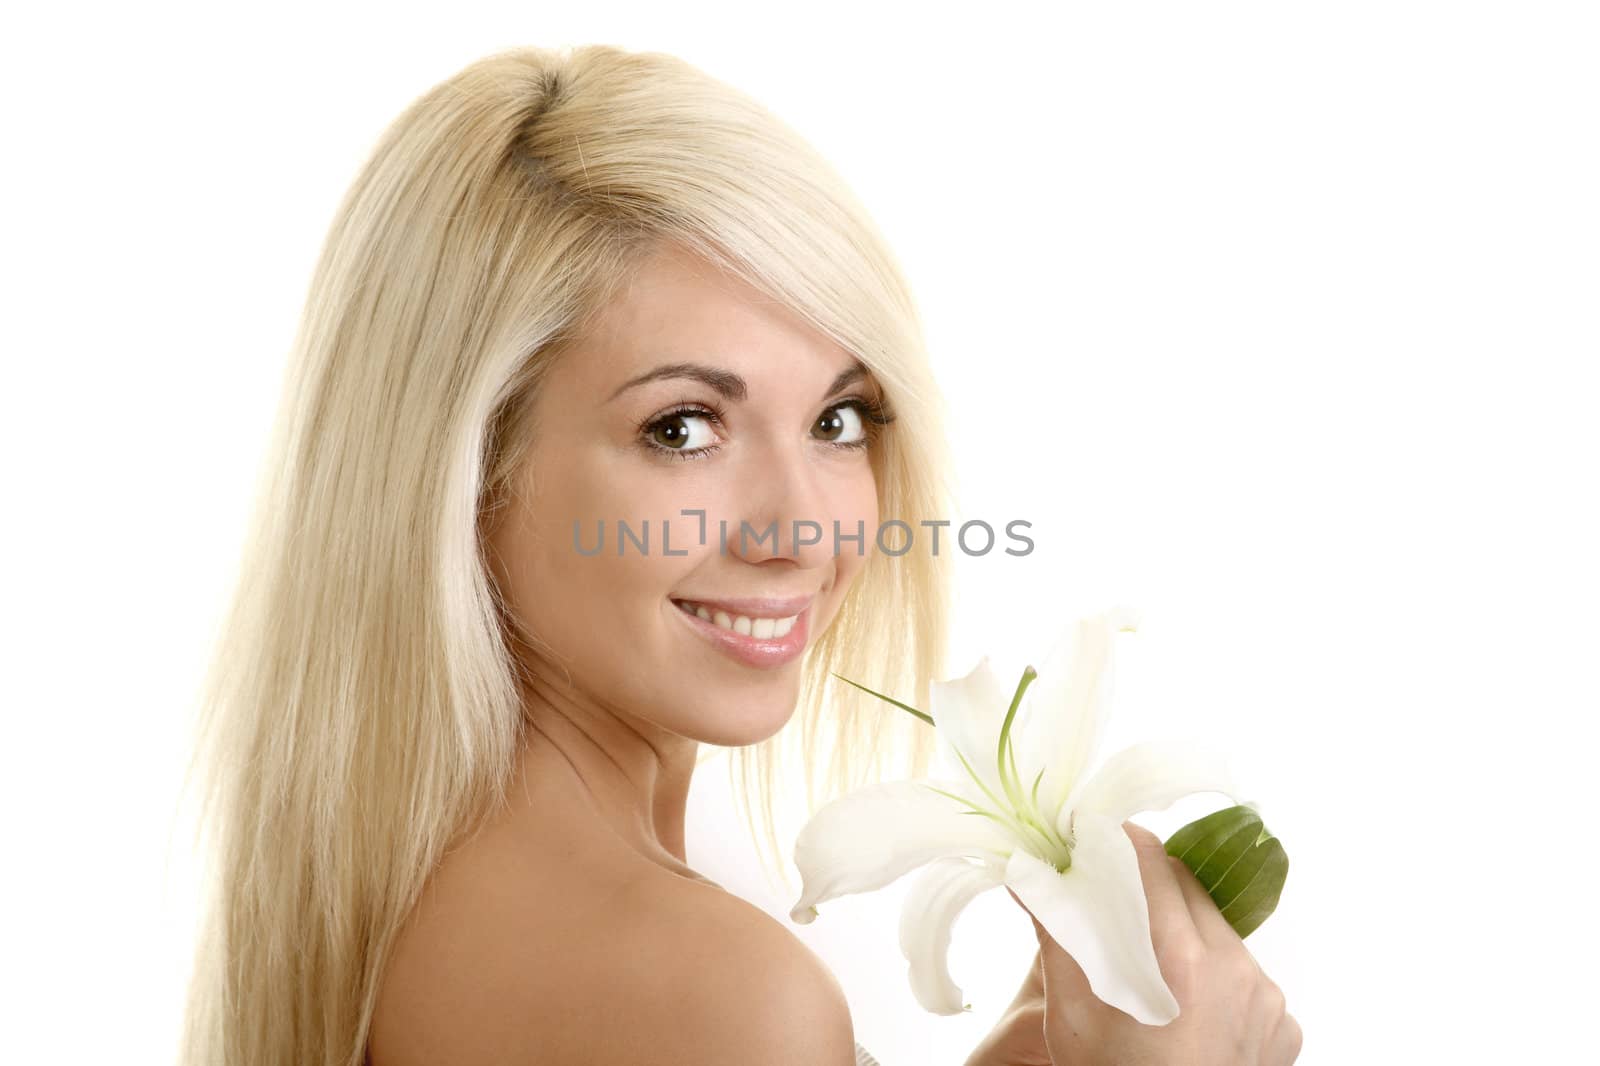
(840, 425)
(684, 432)
(671, 432)
(681, 432)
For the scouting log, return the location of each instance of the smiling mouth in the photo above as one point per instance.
(744, 625)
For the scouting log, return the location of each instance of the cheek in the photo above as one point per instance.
(604, 617)
(588, 597)
(858, 502)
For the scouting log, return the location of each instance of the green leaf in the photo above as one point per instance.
(1241, 865)
(886, 699)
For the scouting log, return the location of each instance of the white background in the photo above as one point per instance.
(1278, 322)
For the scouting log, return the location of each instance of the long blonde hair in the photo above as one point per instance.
(361, 711)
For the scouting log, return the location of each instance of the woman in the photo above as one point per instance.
(584, 318)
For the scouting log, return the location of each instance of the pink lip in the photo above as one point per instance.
(762, 654)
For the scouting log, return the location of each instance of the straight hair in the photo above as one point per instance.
(360, 712)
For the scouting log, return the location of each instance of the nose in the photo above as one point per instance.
(788, 514)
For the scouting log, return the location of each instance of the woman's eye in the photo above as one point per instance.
(682, 431)
(841, 425)
(689, 433)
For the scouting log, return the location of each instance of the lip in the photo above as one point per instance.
(762, 654)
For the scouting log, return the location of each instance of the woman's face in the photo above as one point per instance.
(695, 393)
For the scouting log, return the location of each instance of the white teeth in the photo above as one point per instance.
(757, 628)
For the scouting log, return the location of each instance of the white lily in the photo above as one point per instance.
(1057, 843)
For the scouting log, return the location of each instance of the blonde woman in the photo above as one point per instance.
(452, 722)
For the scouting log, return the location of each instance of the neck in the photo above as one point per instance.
(633, 774)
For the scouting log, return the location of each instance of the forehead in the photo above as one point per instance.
(679, 308)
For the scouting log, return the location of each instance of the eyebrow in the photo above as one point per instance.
(726, 383)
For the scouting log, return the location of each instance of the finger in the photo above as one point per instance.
(1172, 928)
(1208, 921)
(1061, 978)
(1264, 1011)
(1033, 984)
(1065, 989)
(1284, 1046)
(1032, 988)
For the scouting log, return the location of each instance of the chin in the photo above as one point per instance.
(738, 722)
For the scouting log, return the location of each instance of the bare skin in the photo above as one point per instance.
(589, 855)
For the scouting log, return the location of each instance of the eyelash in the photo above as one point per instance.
(874, 415)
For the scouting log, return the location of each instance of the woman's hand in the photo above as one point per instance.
(1231, 1013)
(1018, 1037)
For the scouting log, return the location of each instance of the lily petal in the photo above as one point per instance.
(1097, 911)
(873, 835)
(1150, 777)
(1070, 702)
(941, 891)
(967, 714)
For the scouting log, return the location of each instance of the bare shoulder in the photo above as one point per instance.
(729, 984)
(626, 964)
